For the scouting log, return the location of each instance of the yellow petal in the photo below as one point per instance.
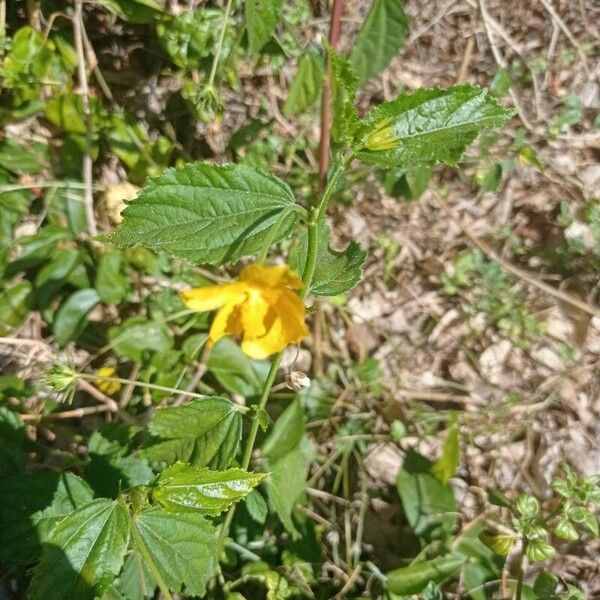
(108, 387)
(254, 313)
(286, 327)
(259, 275)
(291, 310)
(211, 297)
(227, 321)
(274, 341)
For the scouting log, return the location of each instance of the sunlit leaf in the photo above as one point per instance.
(183, 488)
(83, 554)
(337, 272)
(180, 546)
(208, 213)
(205, 432)
(428, 126)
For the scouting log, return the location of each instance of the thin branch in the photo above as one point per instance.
(502, 63)
(87, 114)
(75, 413)
(556, 17)
(325, 139)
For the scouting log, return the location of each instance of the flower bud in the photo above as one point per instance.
(382, 138)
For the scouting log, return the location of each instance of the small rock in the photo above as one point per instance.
(547, 357)
(492, 361)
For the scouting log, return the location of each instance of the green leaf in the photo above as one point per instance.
(183, 488)
(136, 337)
(35, 249)
(446, 466)
(497, 498)
(65, 111)
(539, 550)
(336, 272)
(256, 506)
(83, 554)
(31, 505)
(286, 433)
(428, 503)
(205, 432)
(578, 514)
(20, 159)
(415, 578)
(428, 126)
(500, 543)
(286, 483)
(565, 529)
(235, 371)
(527, 506)
(14, 306)
(379, 39)
(343, 95)
(187, 37)
(545, 585)
(306, 85)
(182, 547)
(112, 284)
(432, 592)
(408, 183)
(70, 318)
(128, 585)
(135, 11)
(111, 467)
(52, 277)
(208, 213)
(262, 17)
(560, 486)
(12, 440)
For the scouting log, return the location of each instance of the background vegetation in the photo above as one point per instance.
(437, 434)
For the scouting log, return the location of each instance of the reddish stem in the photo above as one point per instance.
(334, 36)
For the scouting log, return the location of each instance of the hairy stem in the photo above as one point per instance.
(249, 448)
(325, 140)
(317, 214)
(520, 572)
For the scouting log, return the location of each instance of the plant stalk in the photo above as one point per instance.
(325, 140)
(520, 572)
(213, 69)
(249, 448)
(317, 214)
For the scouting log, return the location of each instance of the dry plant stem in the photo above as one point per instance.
(556, 17)
(324, 144)
(76, 413)
(213, 69)
(523, 275)
(350, 583)
(142, 384)
(88, 198)
(502, 63)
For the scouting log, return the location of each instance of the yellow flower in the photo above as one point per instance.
(262, 306)
(108, 387)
